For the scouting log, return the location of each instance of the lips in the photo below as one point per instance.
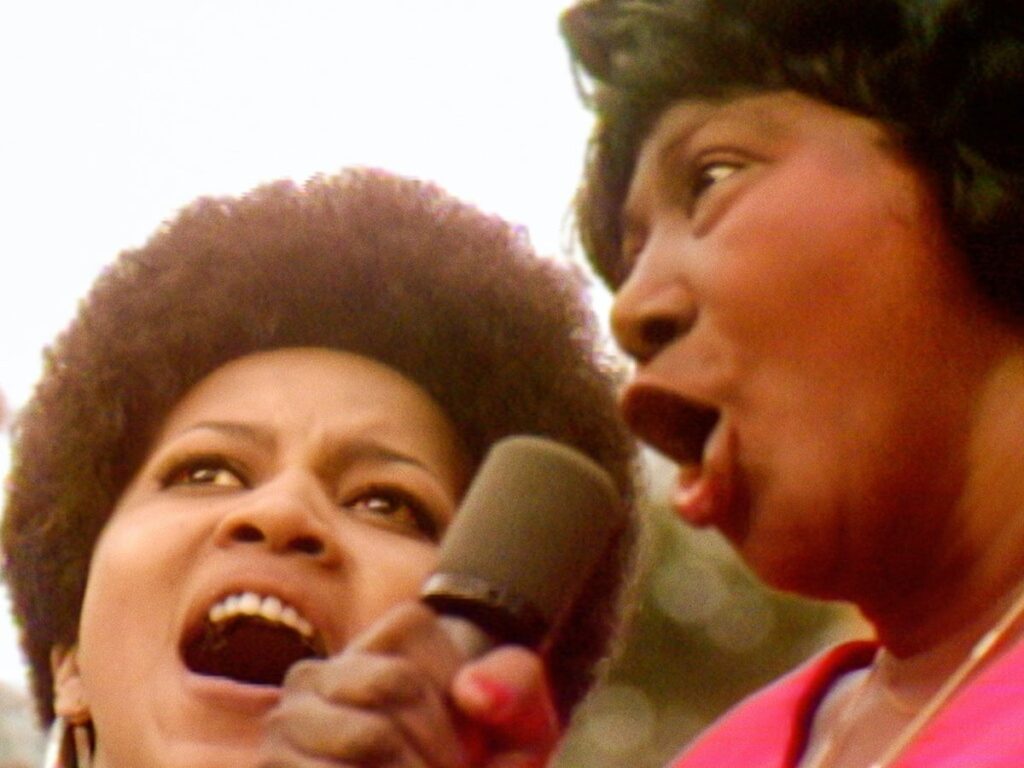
(704, 492)
(250, 638)
(675, 426)
(694, 436)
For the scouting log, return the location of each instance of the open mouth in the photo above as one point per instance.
(251, 639)
(674, 426)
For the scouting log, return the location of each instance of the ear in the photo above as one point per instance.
(69, 699)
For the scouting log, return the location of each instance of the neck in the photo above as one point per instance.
(912, 677)
(976, 570)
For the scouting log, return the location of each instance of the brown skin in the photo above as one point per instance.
(804, 277)
(787, 268)
(318, 500)
(388, 699)
(318, 477)
(862, 383)
(260, 272)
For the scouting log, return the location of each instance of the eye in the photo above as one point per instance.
(710, 173)
(396, 508)
(206, 471)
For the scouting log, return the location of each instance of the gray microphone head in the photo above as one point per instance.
(533, 524)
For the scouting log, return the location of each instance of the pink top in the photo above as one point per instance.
(982, 726)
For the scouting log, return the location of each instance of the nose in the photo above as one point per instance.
(288, 516)
(652, 309)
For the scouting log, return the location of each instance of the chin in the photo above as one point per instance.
(790, 567)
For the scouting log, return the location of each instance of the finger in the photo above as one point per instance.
(412, 630)
(507, 690)
(304, 730)
(363, 679)
(397, 688)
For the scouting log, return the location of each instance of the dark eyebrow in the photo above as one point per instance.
(372, 451)
(683, 135)
(670, 145)
(349, 451)
(250, 432)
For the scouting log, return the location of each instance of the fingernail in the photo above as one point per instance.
(491, 695)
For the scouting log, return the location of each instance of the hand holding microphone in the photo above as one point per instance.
(533, 524)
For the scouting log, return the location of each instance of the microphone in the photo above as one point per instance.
(533, 524)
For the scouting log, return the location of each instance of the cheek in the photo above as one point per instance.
(386, 570)
(117, 575)
(817, 275)
(139, 566)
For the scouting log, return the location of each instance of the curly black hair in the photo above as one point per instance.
(945, 76)
(364, 261)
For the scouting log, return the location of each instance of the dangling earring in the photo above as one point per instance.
(81, 738)
(55, 743)
(65, 752)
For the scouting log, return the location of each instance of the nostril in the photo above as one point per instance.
(659, 331)
(247, 533)
(309, 545)
(652, 336)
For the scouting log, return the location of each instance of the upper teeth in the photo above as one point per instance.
(267, 607)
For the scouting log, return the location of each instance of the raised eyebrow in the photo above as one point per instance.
(253, 433)
(682, 136)
(666, 149)
(371, 451)
(349, 451)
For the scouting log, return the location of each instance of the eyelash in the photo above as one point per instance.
(426, 524)
(180, 473)
(697, 180)
(703, 177)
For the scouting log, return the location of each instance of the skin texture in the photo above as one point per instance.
(790, 290)
(276, 473)
(826, 312)
(789, 274)
(388, 700)
(788, 270)
(261, 272)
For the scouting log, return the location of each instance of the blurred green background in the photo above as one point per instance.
(706, 634)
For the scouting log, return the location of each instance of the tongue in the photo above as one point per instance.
(248, 650)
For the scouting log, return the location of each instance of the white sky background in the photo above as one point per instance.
(113, 115)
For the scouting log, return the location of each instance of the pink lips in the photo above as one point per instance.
(702, 495)
(228, 695)
(693, 499)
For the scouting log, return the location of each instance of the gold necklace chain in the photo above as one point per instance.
(979, 652)
(839, 733)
